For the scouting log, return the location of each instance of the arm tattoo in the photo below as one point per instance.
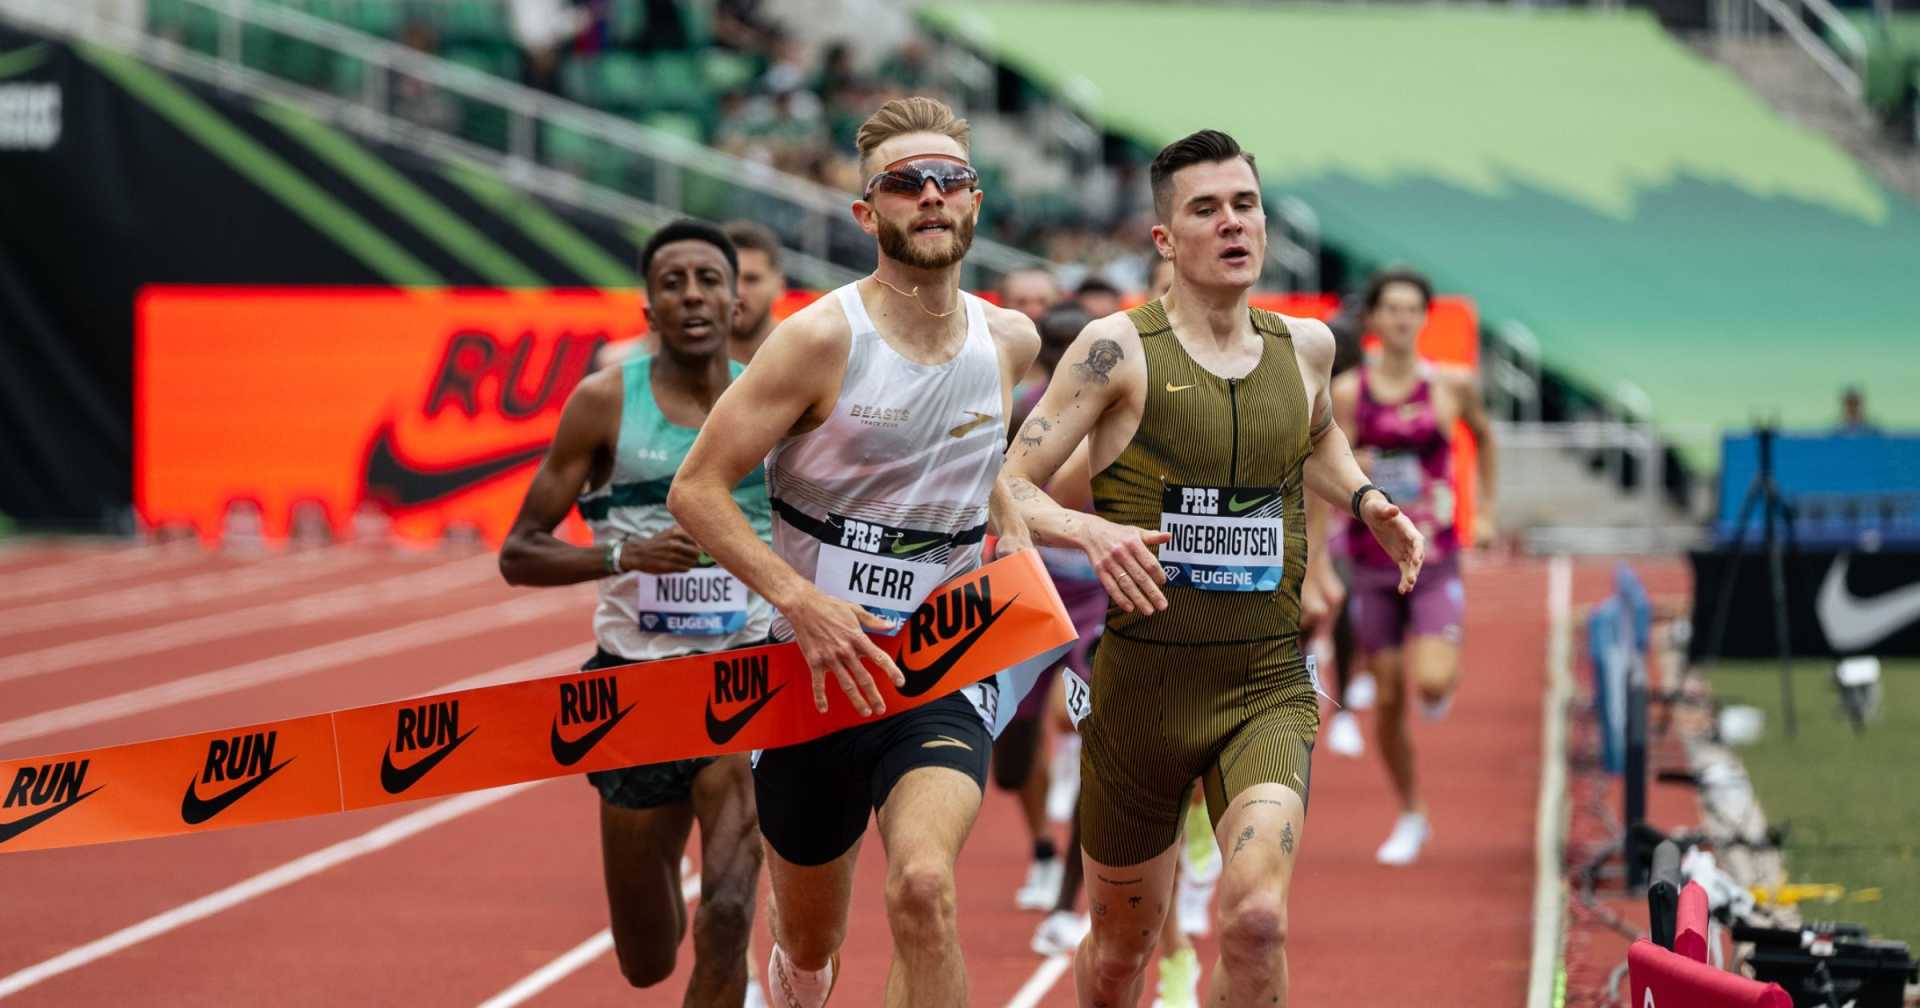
(1286, 838)
(1101, 358)
(1035, 431)
(1022, 489)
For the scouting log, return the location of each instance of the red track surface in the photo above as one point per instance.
(461, 911)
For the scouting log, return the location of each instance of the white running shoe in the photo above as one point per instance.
(1042, 888)
(1063, 789)
(1061, 933)
(1343, 734)
(1410, 831)
(1360, 692)
(1179, 985)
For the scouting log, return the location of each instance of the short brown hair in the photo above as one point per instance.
(747, 235)
(1379, 282)
(1203, 147)
(918, 114)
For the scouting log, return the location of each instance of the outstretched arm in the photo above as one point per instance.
(1331, 472)
(1099, 371)
(769, 400)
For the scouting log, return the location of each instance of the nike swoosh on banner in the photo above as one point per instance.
(722, 730)
(567, 752)
(397, 779)
(972, 425)
(13, 829)
(1851, 622)
(920, 680)
(1171, 387)
(404, 483)
(195, 810)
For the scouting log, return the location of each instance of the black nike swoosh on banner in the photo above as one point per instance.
(195, 810)
(403, 483)
(722, 730)
(567, 752)
(397, 779)
(13, 829)
(920, 680)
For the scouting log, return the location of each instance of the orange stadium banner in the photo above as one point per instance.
(430, 406)
(649, 712)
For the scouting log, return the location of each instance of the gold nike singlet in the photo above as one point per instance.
(1215, 687)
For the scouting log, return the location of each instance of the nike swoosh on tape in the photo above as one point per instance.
(1851, 622)
(404, 483)
(920, 680)
(1236, 505)
(195, 810)
(567, 752)
(722, 730)
(13, 829)
(972, 425)
(397, 779)
(1171, 387)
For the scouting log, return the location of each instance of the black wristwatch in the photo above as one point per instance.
(1361, 493)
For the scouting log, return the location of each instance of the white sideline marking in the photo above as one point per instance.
(573, 959)
(1550, 810)
(1040, 982)
(378, 838)
(520, 609)
(332, 604)
(254, 575)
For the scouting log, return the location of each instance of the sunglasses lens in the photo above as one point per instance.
(910, 178)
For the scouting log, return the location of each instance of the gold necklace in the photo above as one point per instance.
(914, 296)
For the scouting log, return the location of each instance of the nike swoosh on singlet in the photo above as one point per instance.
(13, 829)
(898, 548)
(1236, 505)
(195, 810)
(397, 779)
(1851, 622)
(567, 752)
(405, 483)
(1171, 387)
(722, 730)
(972, 425)
(920, 680)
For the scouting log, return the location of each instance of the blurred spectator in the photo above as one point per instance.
(1098, 296)
(1029, 291)
(1160, 281)
(762, 284)
(543, 28)
(791, 69)
(414, 99)
(910, 68)
(1853, 413)
(739, 25)
(837, 75)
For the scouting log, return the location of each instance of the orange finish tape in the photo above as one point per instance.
(649, 712)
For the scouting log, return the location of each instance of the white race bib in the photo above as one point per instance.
(703, 602)
(1400, 475)
(1224, 538)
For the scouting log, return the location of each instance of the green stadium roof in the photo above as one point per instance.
(1579, 172)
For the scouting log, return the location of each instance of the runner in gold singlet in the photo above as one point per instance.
(1207, 421)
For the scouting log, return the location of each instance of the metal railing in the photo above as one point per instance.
(400, 95)
(1845, 61)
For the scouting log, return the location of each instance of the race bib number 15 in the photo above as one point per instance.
(1224, 538)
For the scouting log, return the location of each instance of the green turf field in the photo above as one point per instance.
(1852, 800)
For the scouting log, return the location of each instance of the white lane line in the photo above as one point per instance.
(293, 871)
(520, 609)
(119, 563)
(1550, 810)
(572, 960)
(1042, 981)
(255, 575)
(333, 604)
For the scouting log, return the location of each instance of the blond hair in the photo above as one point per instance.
(901, 116)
